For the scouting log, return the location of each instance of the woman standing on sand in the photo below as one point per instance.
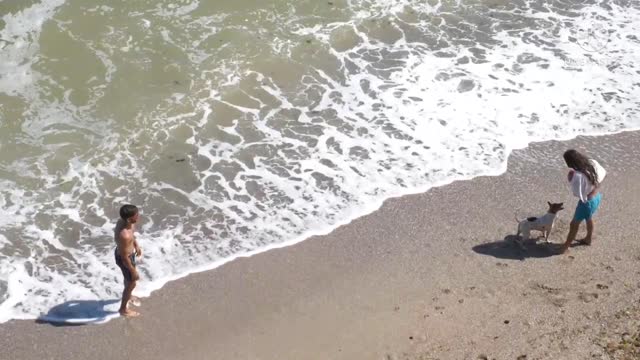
(584, 177)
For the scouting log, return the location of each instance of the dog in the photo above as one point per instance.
(543, 223)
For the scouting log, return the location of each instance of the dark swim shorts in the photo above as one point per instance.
(125, 272)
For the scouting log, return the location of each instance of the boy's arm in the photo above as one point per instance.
(137, 248)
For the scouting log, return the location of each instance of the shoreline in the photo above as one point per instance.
(338, 272)
(158, 285)
(539, 94)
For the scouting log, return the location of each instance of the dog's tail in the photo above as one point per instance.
(515, 216)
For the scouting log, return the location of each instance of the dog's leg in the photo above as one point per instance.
(521, 230)
(548, 231)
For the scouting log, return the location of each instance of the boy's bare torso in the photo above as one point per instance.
(124, 237)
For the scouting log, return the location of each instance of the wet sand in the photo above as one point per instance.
(427, 276)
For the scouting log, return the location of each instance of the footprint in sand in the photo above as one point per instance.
(587, 297)
(556, 296)
(545, 288)
(601, 287)
(607, 267)
(559, 301)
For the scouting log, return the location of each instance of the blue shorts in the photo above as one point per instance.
(585, 211)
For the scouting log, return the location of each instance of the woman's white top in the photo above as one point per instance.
(580, 184)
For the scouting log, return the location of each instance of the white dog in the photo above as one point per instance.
(543, 223)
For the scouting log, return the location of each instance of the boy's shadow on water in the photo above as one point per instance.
(509, 249)
(81, 312)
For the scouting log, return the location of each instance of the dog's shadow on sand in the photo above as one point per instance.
(80, 312)
(508, 248)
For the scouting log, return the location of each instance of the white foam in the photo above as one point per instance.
(20, 34)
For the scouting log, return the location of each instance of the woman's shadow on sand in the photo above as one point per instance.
(81, 312)
(508, 248)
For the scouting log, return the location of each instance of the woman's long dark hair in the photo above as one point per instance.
(581, 163)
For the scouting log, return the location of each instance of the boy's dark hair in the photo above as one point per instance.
(579, 162)
(127, 211)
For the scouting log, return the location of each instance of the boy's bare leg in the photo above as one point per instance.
(126, 296)
(573, 231)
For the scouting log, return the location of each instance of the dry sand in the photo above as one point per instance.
(428, 276)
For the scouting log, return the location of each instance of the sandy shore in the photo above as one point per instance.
(428, 276)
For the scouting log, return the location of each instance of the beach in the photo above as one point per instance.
(238, 127)
(427, 276)
(316, 180)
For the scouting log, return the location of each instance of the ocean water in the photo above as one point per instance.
(238, 126)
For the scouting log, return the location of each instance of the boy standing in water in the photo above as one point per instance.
(585, 177)
(127, 249)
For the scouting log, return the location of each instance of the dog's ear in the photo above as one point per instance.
(549, 203)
